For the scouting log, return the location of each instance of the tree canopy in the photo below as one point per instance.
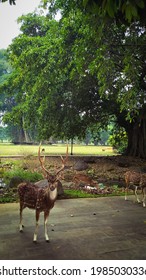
(78, 73)
(125, 11)
(122, 11)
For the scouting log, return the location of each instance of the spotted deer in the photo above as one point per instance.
(82, 178)
(137, 180)
(41, 199)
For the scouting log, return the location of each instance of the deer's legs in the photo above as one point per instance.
(136, 195)
(46, 215)
(144, 197)
(36, 227)
(21, 224)
(135, 192)
(126, 192)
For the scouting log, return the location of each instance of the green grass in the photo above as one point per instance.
(22, 174)
(28, 150)
(7, 199)
(78, 194)
(82, 194)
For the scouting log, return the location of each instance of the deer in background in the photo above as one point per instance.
(82, 178)
(41, 199)
(138, 180)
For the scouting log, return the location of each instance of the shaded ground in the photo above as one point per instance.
(101, 229)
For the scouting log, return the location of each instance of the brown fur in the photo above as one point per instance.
(41, 199)
(78, 178)
(137, 180)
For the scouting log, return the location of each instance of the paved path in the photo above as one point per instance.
(101, 228)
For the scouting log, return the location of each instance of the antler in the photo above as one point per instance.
(64, 160)
(41, 161)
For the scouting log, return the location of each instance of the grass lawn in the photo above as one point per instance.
(26, 150)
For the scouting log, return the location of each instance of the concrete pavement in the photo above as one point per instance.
(100, 229)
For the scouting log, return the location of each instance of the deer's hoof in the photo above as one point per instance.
(35, 241)
(47, 240)
(21, 231)
(21, 228)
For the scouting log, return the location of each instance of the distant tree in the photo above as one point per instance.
(15, 126)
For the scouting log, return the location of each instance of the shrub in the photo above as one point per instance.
(24, 175)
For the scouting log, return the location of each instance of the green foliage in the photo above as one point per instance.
(4, 133)
(79, 72)
(118, 139)
(78, 194)
(123, 11)
(22, 174)
(60, 104)
(82, 194)
(7, 199)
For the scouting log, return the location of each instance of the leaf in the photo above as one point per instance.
(134, 11)
(110, 8)
(85, 2)
(140, 3)
(128, 13)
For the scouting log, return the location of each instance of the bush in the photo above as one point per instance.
(24, 175)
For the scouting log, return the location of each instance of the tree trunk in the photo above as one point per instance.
(72, 142)
(137, 139)
(26, 134)
(19, 135)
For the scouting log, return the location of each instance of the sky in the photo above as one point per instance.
(9, 28)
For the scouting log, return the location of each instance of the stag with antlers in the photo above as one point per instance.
(41, 199)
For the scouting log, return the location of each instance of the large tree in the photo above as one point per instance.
(53, 98)
(122, 73)
(77, 72)
(119, 64)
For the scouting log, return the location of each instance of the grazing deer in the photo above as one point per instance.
(138, 180)
(82, 178)
(41, 199)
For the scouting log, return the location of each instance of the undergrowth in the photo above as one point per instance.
(22, 174)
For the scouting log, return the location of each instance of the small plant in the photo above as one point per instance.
(7, 199)
(91, 172)
(22, 174)
(78, 194)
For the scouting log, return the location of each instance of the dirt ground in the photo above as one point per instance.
(106, 171)
(103, 169)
